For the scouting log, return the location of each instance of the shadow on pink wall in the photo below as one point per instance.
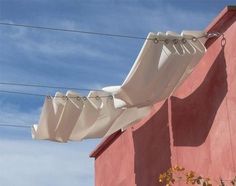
(191, 120)
(152, 148)
(192, 117)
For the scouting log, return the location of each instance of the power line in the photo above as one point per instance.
(22, 93)
(72, 31)
(14, 125)
(49, 96)
(45, 86)
(209, 35)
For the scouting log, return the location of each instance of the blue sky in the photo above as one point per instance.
(72, 60)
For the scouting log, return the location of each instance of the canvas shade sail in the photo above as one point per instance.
(164, 62)
(159, 68)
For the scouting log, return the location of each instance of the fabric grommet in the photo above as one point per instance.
(175, 41)
(85, 98)
(97, 97)
(64, 97)
(166, 41)
(184, 40)
(194, 39)
(78, 98)
(49, 97)
(155, 40)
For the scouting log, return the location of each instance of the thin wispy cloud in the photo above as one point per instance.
(72, 60)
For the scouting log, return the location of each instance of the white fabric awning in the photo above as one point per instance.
(164, 62)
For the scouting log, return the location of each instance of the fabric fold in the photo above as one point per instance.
(107, 115)
(163, 63)
(69, 116)
(49, 117)
(87, 118)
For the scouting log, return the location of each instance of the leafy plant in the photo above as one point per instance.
(179, 173)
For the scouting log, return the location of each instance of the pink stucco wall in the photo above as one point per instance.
(195, 128)
(203, 110)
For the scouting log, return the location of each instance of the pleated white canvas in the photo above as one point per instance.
(164, 62)
(159, 68)
(128, 117)
(107, 114)
(88, 116)
(69, 116)
(49, 118)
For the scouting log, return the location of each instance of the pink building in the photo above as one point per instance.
(195, 128)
